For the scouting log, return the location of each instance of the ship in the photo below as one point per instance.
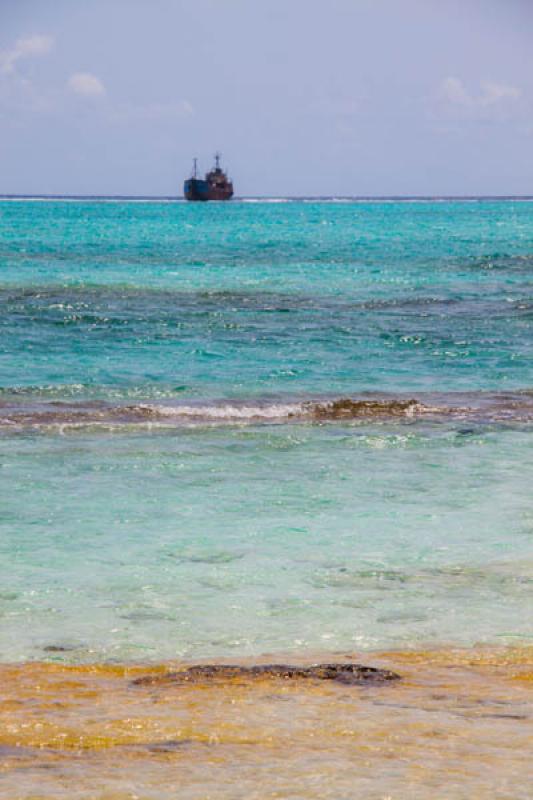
(215, 186)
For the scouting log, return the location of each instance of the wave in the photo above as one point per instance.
(307, 410)
(22, 413)
(266, 200)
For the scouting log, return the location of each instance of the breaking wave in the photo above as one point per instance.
(477, 407)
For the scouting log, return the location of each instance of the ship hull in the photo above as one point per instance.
(221, 192)
(196, 190)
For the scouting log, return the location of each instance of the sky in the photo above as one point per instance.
(302, 97)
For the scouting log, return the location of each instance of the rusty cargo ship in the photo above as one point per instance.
(215, 186)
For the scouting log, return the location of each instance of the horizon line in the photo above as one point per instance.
(339, 197)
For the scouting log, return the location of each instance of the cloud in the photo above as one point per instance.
(17, 92)
(496, 92)
(27, 47)
(87, 84)
(455, 92)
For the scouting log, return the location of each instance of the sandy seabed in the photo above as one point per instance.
(457, 725)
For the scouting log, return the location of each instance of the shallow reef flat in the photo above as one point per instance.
(297, 429)
(457, 723)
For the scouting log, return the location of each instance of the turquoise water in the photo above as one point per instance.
(177, 474)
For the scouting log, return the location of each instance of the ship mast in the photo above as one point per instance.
(194, 168)
(217, 161)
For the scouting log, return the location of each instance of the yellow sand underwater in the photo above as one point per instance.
(457, 725)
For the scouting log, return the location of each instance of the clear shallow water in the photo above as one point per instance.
(457, 725)
(133, 528)
(245, 541)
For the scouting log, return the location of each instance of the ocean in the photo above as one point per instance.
(274, 427)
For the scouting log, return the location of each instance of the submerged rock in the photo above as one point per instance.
(346, 407)
(352, 674)
(169, 746)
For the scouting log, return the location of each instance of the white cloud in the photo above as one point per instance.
(87, 84)
(495, 92)
(27, 47)
(455, 92)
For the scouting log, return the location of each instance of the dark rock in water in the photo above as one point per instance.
(351, 674)
(169, 746)
(59, 648)
(347, 408)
